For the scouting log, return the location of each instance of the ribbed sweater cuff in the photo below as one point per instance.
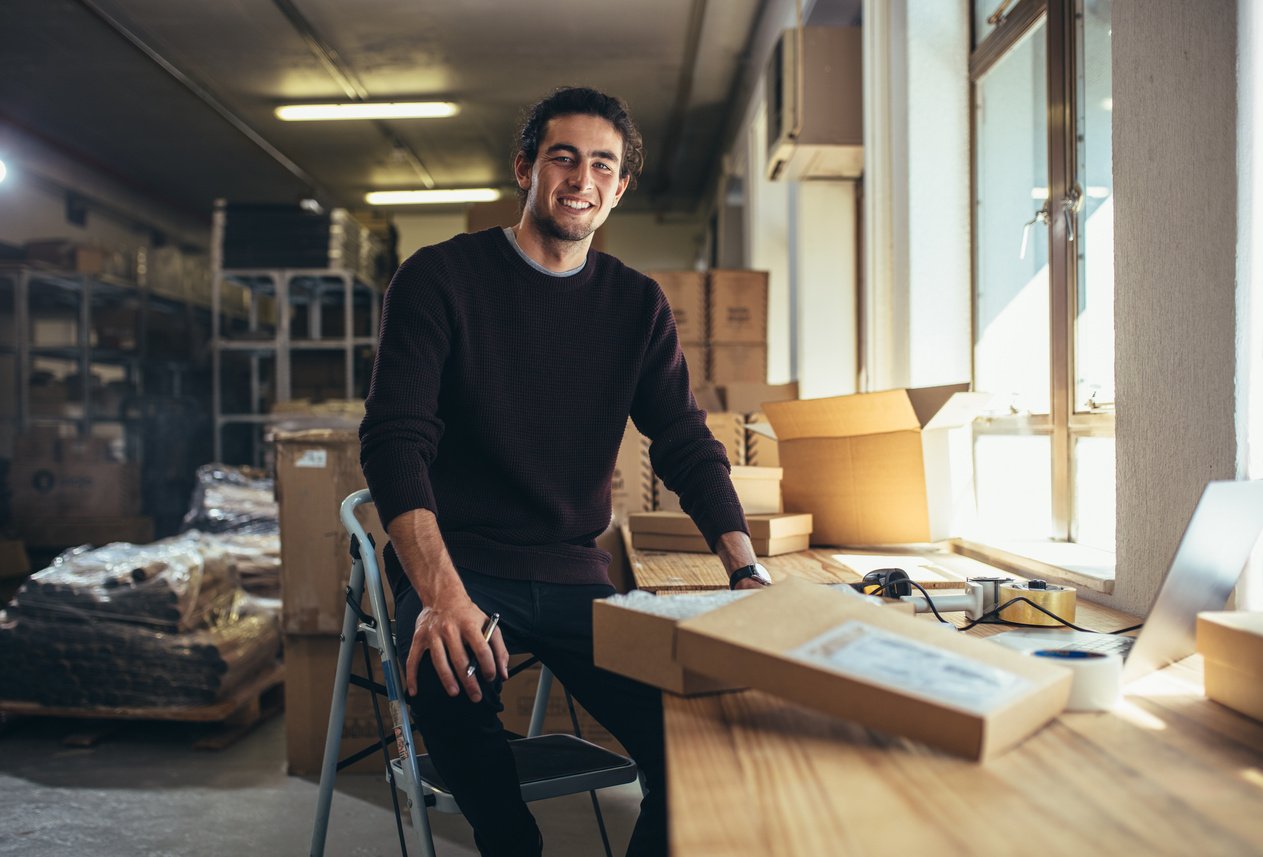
(394, 495)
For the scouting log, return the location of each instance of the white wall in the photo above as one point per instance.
(825, 247)
(1175, 191)
(917, 202)
(1250, 270)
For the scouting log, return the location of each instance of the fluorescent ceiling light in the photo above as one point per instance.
(368, 110)
(432, 197)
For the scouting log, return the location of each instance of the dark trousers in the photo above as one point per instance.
(468, 743)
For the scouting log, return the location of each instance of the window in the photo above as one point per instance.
(1043, 335)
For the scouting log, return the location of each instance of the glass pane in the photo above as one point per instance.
(1094, 322)
(1011, 303)
(1094, 492)
(983, 10)
(1014, 486)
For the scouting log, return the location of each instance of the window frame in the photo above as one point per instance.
(1063, 422)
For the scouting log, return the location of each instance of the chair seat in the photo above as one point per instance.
(548, 766)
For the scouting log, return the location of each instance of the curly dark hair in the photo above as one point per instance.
(580, 100)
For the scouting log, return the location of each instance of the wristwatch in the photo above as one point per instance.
(755, 572)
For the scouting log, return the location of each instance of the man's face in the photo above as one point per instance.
(574, 181)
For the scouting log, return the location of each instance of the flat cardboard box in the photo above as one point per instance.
(315, 471)
(771, 535)
(686, 294)
(738, 308)
(1231, 643)
(697, 544)
(880, 468)
(747, 397)
(731, 363)
(641, 645)
(758, 489)
(877, 667)
(632, 487)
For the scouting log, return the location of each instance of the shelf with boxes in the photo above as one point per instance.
(304, 289)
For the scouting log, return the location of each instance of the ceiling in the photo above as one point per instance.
(175, 97)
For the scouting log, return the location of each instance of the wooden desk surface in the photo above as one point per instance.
(665, 572)
(1167, 772)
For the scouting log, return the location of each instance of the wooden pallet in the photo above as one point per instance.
(233, 717)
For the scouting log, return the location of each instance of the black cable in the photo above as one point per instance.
(996, 611)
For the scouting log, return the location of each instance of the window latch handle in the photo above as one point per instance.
(1071, 205)
(1041, 216)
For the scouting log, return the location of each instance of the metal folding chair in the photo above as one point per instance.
(548, 765)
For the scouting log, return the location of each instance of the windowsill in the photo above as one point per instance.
(1063, 562)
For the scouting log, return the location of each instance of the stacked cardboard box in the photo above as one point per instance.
(686, 293)
(738, 326)
(771, 534)
(315, 470)
(70, 491)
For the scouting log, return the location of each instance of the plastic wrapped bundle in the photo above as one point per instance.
(174, 584)
(257, 558)
(88, 662)
(232, 500)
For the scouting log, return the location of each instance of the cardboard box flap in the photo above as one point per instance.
(928, 401)
(843, 416)
(961, 410)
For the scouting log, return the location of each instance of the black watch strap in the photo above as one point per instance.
(753, 571)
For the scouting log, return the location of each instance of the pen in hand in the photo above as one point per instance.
(487, 631)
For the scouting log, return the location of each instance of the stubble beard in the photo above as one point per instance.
(551, 228)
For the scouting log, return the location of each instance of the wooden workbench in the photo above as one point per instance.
(1167, 772)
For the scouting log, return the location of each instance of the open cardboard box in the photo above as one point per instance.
(878, 667)
(880, 468)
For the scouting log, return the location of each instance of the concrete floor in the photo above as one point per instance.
(142, 792)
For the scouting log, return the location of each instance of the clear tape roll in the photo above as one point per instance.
(1098, 677)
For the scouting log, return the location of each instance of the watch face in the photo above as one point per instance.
(761, 573)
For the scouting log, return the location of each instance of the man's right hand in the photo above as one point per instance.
(450, 629)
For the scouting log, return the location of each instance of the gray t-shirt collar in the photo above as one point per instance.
(508, 233)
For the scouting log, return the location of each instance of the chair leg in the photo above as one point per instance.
(596, 804)
(337, 716)
(542, 690)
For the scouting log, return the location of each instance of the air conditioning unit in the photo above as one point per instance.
(815, 127)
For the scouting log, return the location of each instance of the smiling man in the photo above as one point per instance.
(508, 364)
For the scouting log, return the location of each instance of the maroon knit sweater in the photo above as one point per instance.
(499, 398)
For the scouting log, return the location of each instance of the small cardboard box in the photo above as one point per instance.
(686, 293)
(641, 645)
(771, 535)
(731, 363)
(758, 489)
(880, 668)
(1232, 645)
(74, 489)
(880, 468)
(747, 397)
(315, 471)
(632, 486)
(310, 663)
(738, 308)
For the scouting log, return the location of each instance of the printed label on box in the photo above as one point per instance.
(865, 652)
(316, 458)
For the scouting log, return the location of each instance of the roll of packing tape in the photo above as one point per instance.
(1098, 677)
(1058, 600)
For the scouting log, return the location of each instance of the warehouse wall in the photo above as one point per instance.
(33, 202)
(1175, 251)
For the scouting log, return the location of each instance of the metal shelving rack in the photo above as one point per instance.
(86, 294)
